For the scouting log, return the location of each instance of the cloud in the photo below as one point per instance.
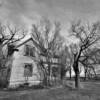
(83, 6)
(55, 9)
(25, 12)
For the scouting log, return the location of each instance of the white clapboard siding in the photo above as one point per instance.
(17, 70)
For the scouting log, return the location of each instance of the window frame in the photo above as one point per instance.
(31, 74)
(31, 50)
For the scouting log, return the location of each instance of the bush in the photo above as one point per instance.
(3, 83)
(37, 86)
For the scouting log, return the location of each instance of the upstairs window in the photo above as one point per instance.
(29, 51)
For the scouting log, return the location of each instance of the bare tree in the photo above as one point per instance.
(70, 61)
(8, 36)
(49, 42)
(14, 35)
(90, 60)
(88, 36)
(65, 61)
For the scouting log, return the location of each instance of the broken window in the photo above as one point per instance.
(29, 51)
(28, 70)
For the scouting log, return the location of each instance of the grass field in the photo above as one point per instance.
(90, 91)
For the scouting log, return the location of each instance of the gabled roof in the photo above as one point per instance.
(23, 42)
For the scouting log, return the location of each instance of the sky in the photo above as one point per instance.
(25, 12)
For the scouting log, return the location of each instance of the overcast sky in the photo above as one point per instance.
(23, 12)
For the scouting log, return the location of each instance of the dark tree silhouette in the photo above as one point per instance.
(90, 60)
(88, 36)
(8, 36)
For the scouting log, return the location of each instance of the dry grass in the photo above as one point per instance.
(91, 91)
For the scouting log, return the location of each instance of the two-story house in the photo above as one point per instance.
(23, 66)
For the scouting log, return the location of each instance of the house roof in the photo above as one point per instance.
(25, 41)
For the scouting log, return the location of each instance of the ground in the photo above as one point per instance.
(90, 91)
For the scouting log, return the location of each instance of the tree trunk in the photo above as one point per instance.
(45, 81)
(70, 72)
(76, 68)
(77, 80)
(85, 75)
(94, 72)
(44, 74)
(77, 74)
(49, 74)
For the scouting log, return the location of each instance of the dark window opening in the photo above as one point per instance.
(28, 70)
(29, 51)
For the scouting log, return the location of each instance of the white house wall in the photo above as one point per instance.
(17, 71)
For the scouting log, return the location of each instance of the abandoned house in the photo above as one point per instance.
(22, 66)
